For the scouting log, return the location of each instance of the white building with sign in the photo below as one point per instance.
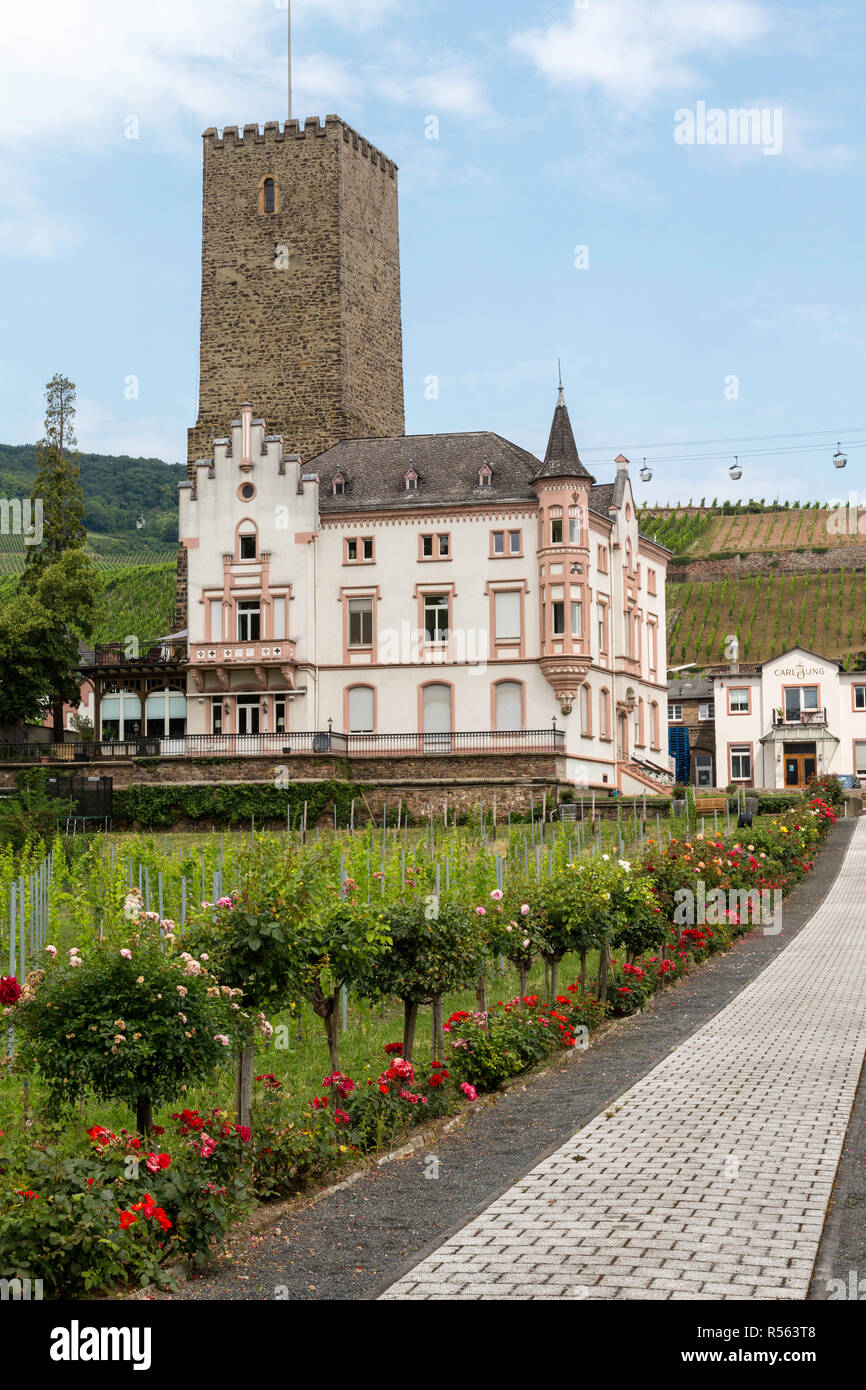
(796, 716)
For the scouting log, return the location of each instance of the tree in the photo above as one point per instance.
(135, 1024)
(249, 937)
(57, 494)
(57, 488)
(435, 947)
(39, 631)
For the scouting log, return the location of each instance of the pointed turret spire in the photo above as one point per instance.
(562, 459)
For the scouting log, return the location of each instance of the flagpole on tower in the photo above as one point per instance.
(289, 10)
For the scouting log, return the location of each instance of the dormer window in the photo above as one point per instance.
(485, 476)
(411, 480)
(339, 487)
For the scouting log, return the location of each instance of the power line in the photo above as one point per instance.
(823, 438)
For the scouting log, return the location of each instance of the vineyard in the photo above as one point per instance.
(135, 598)
(702, 532)
(824, 612)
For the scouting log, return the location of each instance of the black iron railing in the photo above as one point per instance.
(132, 651)
(288, 745)
(805, 716)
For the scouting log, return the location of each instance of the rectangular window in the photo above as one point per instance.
(860, 697)
(556, 530)
(800, 701)
(506, 615)
(741, 764)
(247, 548)
(707, 710)
(514, 542)
(602, 559)
(498, 542)
(436, 547)
(360, 622)
(280, 714)
(436, 615)
(216, 620)
(279, 619)
(367, 547)
(860, 758)
(675, 714)
(351, 550)
(558, 608)
(602, 628)
(629, 635)
(740, 700)
(576, 618)
(574, 530)
(249, 620)
(216, 716)
(651, 581)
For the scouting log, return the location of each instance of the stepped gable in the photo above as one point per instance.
(448, 468)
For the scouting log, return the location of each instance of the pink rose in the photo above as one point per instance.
(469, 1091)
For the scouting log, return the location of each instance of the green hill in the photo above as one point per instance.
(118, 492)
(824, 610)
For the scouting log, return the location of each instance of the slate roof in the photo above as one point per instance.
(447, 465)
(562, 459)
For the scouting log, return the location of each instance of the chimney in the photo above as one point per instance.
(621, 464)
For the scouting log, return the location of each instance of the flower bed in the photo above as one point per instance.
(134, 1020)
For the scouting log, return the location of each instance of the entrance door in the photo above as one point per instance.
(249, 717)
(800, 768)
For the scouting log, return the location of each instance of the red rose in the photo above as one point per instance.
(10, 990)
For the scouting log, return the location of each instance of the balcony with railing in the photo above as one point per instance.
(279, 745)
(133, 653)
(796, 719)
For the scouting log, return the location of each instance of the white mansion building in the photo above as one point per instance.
(421, 594)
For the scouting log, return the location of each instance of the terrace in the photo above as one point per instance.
(501, 742)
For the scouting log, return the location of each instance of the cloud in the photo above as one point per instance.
(634, 51)
(451, 88)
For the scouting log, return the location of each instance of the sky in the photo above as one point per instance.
(587, 198)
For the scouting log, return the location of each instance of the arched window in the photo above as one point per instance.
(509, 705)
(604, 712)
(485, 475)
(269, 195)
(362, 709)
(248, 542)
(339, 485)
(411, 480)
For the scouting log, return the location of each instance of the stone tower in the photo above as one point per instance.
(300, 297)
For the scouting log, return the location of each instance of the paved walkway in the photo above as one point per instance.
(709, 1178)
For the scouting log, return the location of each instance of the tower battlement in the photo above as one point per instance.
(272, 132)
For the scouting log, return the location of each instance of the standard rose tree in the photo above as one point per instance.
(134, 1023)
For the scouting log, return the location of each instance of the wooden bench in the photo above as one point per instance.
(705, 805)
